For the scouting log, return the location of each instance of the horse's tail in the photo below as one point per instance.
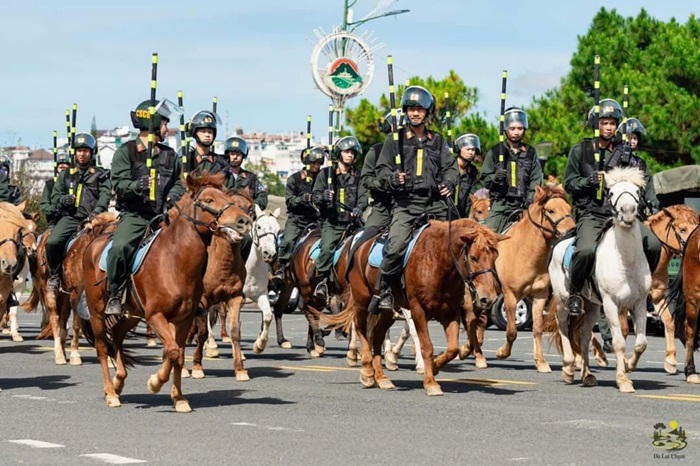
(45, 333)
(31, 304)
(127, 357)
(675, 294)
(343, 319)
(575, 325)
(549, 324)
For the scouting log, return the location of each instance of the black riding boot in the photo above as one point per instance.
(384, 301)
(114, 304)
(321, 291)
(12, 300)
(54, 282)
(574, 304)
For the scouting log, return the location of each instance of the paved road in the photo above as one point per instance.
(298, 411)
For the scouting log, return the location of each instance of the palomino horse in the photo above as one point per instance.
(522, 269)
(29, 243)
(672, 226)
(447, 258)
(686, 311)
(59, 307)
(622, 281)
(167, 289)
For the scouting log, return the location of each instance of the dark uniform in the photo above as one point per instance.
(592, 213)
(380, 215)
(212, 163)
(92, 190)
(51, 213)
(247, 179)
(5, 165)
(466, 186)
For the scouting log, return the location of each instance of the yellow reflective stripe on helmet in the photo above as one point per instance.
(79, 195)
(513, 174)
(419, 162)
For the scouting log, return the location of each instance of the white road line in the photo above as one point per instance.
(113, 459)
(274, 428)
(36, 443)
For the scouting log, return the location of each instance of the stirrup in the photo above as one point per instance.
(114, 303)
(53, 283)
(574, 305)
(321, 290)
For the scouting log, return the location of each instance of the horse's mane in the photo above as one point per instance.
(244, 193)
(486, 239)
(630, 174)
(98, 223)
(12, 214)
(196, 181)
(680, 212)
(549, 192)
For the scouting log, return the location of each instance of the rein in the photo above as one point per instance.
(672, 227)
(18, 244)
(213, 226)
(256, 237)
(553, 231)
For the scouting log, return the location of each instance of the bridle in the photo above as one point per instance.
(613, 205)
(672, 227)
(554, 231)
(256, 237)
(213, 225)
(17, 241)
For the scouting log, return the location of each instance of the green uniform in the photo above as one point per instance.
(247, 180)
(51, 213)
(427, 164)
(212, 163)
(380, 215)
(300, 213)
(4, 187)
(349, 195)
(466, 186)
(517, 190)
(92, 190)
(592, 213)
(128, 166)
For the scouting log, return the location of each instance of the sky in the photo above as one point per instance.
(254, 55)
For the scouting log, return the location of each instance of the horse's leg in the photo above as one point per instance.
(567, 366)
(473, 344)
(225, 338)
(233, 306)
(510, 302)
(589, 320)
(432, 388)
(211, 347)
(691, 329)
(670, 362)
(282, 301)
(538, 302)
(452, 335)
(179, 401)
(367, 371)
(351, 356)
(202, 335)
(386, 346)
(391, 353)
(119, 331)
(382, 324)
(14, 328)
(420, 364)
(150, 337)
(59, 355)
(600, 358)
(613, 314)
(261, 341)
(101, 347)
(640, 330)
(171, 352)
(315, 345)
(75, 359)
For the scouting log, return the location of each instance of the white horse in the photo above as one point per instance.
(262, 254)
(622, 278)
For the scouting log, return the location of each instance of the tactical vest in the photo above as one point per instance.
(250, 182)
(345, 187)
(518, 171)
(304, 214)
(219, 165)
(422, 163)
(378, 196)
(166, 176)
(464, 186)
(86, 188)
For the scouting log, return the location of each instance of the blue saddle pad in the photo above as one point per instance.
(316, 248)
(376, 254)
(568, 254)
(140, 254)
(73, 239)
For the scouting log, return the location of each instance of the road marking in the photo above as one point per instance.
(32, 397)
(244, 424)
(305, 368)
(487, 382)
(522, 458)
(36, 443)
(275, 428)
(678, 397)
(113, 459)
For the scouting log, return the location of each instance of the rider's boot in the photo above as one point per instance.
(608, 346)
(114, 304)
(54, 282)
(321, 291)
(574, 305)
(12, 300)
(384, 301)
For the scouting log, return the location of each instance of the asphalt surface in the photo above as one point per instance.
(299, 411)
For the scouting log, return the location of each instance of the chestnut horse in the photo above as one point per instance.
(59, 307)
(686, 310)
(672, 226)
(447, 258)
(480, 208)
(29, 243)
(168, 286)
(522, 268)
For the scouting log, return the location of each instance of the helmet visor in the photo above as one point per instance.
(515, 116)
(468, 140)
(168, 109)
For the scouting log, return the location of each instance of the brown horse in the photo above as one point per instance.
(479, 210)
(522, 267)
(448, 258)
(168, 287)
(59, 307)
(672, 226)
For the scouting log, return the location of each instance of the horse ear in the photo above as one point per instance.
(258, 210)
(192, 183)
(539, 192)
(469, 232)
(22, 205)
(473, 198)
(276, 213)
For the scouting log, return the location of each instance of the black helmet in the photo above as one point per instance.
(633, 126)
(417, 96)
(62, 157)
(5, 162)
(236, 144)
(314, 155)
(85, 140)
(609, 108)
(387, 123)
(467, 140)
(165, 109)
(347, 143)
(200, 120)
(514, 115)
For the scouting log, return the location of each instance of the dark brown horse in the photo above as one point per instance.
(447, 258)
(169, 284)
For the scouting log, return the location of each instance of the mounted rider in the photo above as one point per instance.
(8, 192)
(419, 185)
(236, 150)
(78, 195)
(140, 196)
(342, 202)
(591, 209)
(51, 212)
(301, 211)
(466, 147)
(510, 172)
(202, 128)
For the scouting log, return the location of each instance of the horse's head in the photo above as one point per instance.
(480, 208)
(29, 237)
(624, 192)
(12, 223)
(264, 233)
(551, 211)
(214, 211)
(479, 255)
(243, 200)
(673, 225)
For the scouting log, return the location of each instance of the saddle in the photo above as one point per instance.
(376, 253)
(141, 253)
(316, 247)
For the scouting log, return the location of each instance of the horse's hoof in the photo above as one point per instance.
(319, 349)
(567, 378)
(226, 339)
(211, 353)
(242, 356)
(76, 360)
(433, 390)
(601, 361)
(242, 376)
(543, 368)
(670, 367)
(693, 378)
(589, 381)
(185, 374)
(6, 331)
(385, 384)
(390, 361)
(113, 402)
(502, 353)
(259, 346)
(182, 406)
(626, 387)
(17, 337)
(60, 360)
(314, 354)
(351, 361)
(367, 381)
(420, 369)
(480, 363)
(153, 385)
(464, 353)
(151, 343)
(286, 344)
(197, 373)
